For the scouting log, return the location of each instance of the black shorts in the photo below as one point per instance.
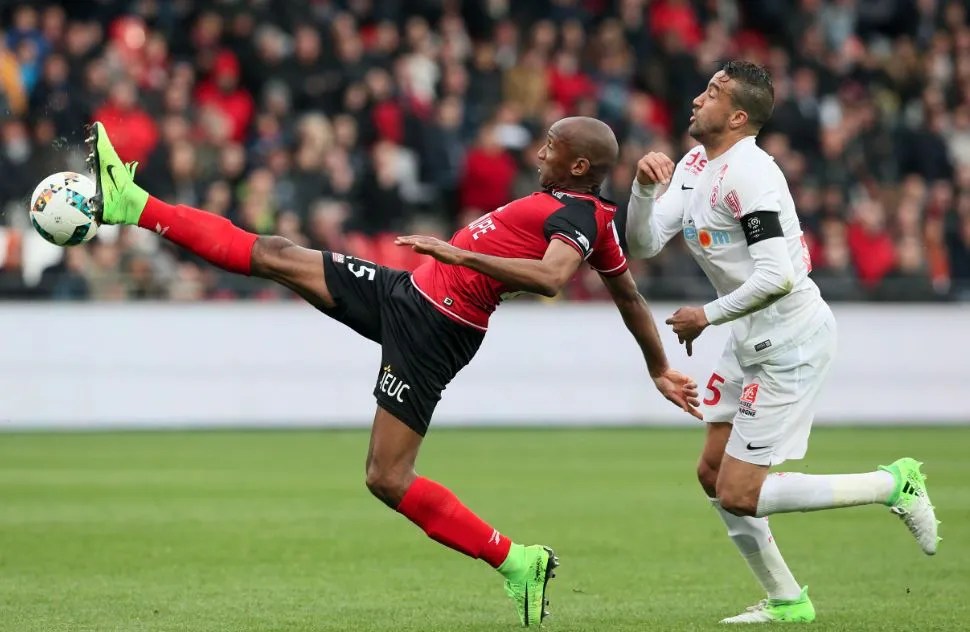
(421, 348)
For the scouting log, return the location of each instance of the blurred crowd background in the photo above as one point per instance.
(340, 123)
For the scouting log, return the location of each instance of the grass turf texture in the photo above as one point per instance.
(274, 531)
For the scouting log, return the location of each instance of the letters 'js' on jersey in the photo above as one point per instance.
(521, 229)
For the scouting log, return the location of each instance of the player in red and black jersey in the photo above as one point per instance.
(430, 323)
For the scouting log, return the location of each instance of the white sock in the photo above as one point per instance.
(788, 491)
(753, 539)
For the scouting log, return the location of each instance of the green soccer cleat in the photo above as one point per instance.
(117, 200)
(911, 502)
(799, 610)
(528, 588)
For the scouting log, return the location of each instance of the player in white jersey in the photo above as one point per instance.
(732, 204)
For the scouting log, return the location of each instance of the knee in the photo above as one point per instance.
(387, 484)
(707, 477)
(269, 255)
(738, 501)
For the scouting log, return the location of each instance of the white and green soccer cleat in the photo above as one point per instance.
(528, 587)
(117, 199)
(911, 502)
(798, 610)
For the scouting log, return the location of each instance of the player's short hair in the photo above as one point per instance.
(753, 91)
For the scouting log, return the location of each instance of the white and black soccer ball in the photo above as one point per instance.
(60, 209)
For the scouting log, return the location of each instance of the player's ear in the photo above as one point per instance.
(580, 167)
(739, 118)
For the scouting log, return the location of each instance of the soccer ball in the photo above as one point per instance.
(60, 209)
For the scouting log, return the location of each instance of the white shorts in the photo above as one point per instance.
(772, 404)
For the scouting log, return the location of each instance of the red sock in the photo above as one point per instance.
(434, 508)
(210, 236)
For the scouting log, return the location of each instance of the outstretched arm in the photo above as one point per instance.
(676, 387)
(639, 320)
(546, 276)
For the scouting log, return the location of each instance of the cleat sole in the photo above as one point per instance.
(550, 567)
(97, 201)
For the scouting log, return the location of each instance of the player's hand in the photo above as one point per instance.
(655, 168)
(688, 323)
(679, 390)
(440, 250)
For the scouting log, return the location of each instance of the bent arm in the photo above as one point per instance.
(651, 223)
(546, 276)
(773, 278)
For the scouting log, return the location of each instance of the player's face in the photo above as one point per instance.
(554, 160)
(712, 109)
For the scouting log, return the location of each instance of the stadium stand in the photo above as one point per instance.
(342, 123)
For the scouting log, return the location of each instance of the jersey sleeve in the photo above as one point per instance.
(574, 224)
(652, 219)
(608, 258)
(756, 204)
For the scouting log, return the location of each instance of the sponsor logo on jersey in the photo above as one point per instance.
(748, 396)
(392, 386)
(707, 238)
(583, 241)
(695, 164)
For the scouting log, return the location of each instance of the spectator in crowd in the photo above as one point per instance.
(340, 124)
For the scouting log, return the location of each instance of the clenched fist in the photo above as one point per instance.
(655, 168)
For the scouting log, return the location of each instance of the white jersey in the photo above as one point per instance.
(729, 210)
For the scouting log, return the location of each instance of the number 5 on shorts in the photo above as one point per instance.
(360, 271)
(712, 386)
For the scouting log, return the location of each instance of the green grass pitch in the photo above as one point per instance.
(274, 531)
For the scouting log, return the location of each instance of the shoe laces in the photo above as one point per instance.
(761, 605)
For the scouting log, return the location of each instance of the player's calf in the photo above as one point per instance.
(739, 486)
(709, 464)
(707, 477)
(389, 484)
(739, 502)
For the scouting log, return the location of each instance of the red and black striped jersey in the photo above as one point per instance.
(521, 229)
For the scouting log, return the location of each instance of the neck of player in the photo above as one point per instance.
(715, 148)
(575, 187)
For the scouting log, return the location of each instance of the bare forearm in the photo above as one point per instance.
(528, 275)
(640, 322)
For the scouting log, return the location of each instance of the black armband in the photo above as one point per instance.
(761, 225)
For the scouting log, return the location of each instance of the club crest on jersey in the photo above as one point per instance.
(731, 199)
(717, 185)
(748, 397)
(707, 238)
